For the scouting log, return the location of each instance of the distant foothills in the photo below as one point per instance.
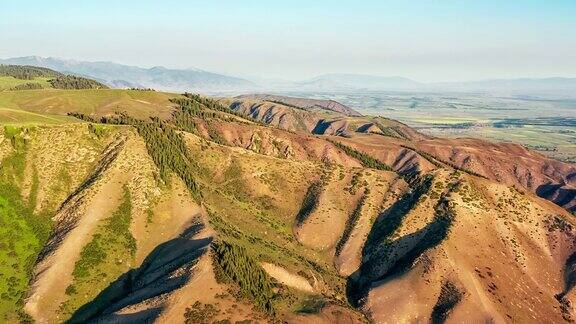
(179, 80)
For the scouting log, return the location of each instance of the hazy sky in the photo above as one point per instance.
(424, 40)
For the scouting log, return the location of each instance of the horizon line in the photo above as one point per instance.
(247, 78)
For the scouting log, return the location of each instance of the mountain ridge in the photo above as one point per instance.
(158, 207)
(192, 79)
(119, 75)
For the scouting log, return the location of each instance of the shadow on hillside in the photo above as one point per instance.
(166, 268)
(557, 193)
(569, 275)
(321, 126)
(569, 284)
(406, 164)
(66, 218)
(385, 259)
(390, 220)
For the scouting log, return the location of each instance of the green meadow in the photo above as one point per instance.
(8, 82)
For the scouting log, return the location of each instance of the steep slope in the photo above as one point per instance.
(315, 116)
(510, 164)
(201, 214)
(303, 103)
(548, 178)
(430, 256)
(86, 258)
(275, 114)
(82, 176)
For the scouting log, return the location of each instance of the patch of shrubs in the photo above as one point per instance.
(26, 72)
(97, 130)
(556, 222)
(390, 131)
(200, 313)
(22, 231)
(312, 305)
(82, 116)
(71, 82)
(212, 104)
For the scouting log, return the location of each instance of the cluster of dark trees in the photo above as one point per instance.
(391, 131)
(58, 80)
(210, 104)
(214, 105)
(201, 313)
(286, 104)
(183, 118)
(207, 102)
(366, 160)
(71, 82)
(190, 109)
(166, 147)
(238, 266)
(25, 72)
(82, 116)
(164, 143)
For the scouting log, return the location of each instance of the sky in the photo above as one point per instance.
(448, 40)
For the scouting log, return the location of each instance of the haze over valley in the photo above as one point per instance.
(511, 110)
(181, 80)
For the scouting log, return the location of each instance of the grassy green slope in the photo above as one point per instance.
(18, 248)
(105, 258)
(22, 232)
(137, 103)
(9, 82)
(9, 116)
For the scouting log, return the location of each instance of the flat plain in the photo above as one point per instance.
(547, 125)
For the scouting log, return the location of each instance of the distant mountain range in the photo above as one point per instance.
(557, 85)
(125, 76)
(521, 86)
(194, 80)
(359, 81)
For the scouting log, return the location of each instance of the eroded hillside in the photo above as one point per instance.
(407, 151)
(205, 213)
